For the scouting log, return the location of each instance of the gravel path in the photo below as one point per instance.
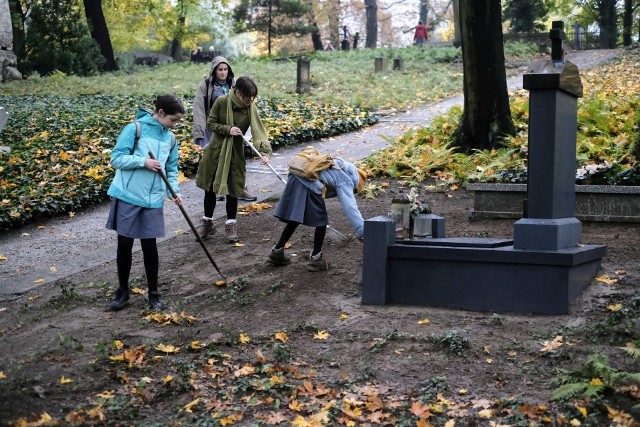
(58, 247)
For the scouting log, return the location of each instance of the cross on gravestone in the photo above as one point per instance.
(557, 37)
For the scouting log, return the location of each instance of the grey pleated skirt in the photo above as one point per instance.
(301, 205)
(134, 221)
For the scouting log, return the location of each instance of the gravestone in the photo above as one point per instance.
(544, 268)
(8, 60)
(303, 80)
(4, 116)
(381, 65)
(398, 64)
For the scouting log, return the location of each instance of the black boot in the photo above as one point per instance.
(120, 299)
(155, 303)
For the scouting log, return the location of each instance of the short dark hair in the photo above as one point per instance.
(170, 104)
(247, 86)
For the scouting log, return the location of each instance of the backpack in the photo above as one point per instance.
(139, 132)
(309, 163)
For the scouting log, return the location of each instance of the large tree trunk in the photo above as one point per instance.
(372, 24)
(18, 17)
(100, 32)
(486, 119)
(607, 20)
(627, 22)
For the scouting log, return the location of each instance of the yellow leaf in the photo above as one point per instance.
(189, 406)
(53, 269)
(343, 316)
(33, 297)
(321, 335)
(606, 279)
(167, 348)
(244, 339)
(485, 413)
(552, 345)
(294, 405)
(118, 344)
(281, 336)
(2, 375)
(178, 231)
(582, 410)
(41, 227)
(615, 307)
(138, 291)
(38, 281)
(195, 345)
(72, 214)
(64, 380)
(238, 245)
(3, 258)
(574, 422)
(423, 321)
(489, 361)
(167, 379)
(463, 391)
(596, 382)
(106, 394)
(486, 350)
(244, 371)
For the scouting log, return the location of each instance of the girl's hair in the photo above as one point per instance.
(170, 104)
(247, 86)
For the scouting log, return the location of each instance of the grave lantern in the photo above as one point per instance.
(400, 213)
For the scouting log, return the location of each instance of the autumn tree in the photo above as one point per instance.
(275, 18)
(525, 16)
(486, 118)
(100, 32)
(57, 39)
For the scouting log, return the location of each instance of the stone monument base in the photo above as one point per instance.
(473, 274)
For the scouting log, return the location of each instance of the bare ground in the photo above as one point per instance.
(376, 365)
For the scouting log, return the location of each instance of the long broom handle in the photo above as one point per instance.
(184, 212)
(246, 141)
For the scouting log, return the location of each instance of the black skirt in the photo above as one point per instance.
(301, 205)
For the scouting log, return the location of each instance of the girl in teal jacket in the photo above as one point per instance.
(138, 192)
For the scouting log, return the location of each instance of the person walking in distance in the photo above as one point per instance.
(138, 194)
(420, 36)
(223, 167)
(219, 82)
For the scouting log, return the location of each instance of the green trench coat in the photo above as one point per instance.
(216, 122)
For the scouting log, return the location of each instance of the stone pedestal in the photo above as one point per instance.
(381, 65)
(303, 80)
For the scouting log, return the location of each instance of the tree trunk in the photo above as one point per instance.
(457, 38)
(486, 118)
(18, 28)
(424, 11)
(607, 20)
(372, 24)
(176, 44)
(100, 32)
(627, 22)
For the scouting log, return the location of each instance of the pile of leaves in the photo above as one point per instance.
(608, 140)
(60, 146)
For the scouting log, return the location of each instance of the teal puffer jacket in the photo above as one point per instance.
(133, 183)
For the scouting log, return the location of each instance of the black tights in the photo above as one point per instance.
(318, 236)
(210, 205)
(151, 262)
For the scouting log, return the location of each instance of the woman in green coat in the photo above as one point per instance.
(223, 168)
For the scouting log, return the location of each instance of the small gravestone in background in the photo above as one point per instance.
(398, 64)
(8, 61)
(382, 65)
(303, 81)
(4, 116)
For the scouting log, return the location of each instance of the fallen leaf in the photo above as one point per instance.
(220, 283)
(606, 279)
(189, 406)
(178, 231)
(552, 345)
(423, 322)
(244, 371)
(3, 258)
(64, 380)
(343, 316)
(33, 297)
(38, 281)
(167, 348)
(195, 345)
(281, 336)
(53, 269)
(238, 245)
(615, 307)
(138, 291)
(117, 344)
(321, 335)
(244, 339)
(167, 379)
(2, 375)
(109, 394)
